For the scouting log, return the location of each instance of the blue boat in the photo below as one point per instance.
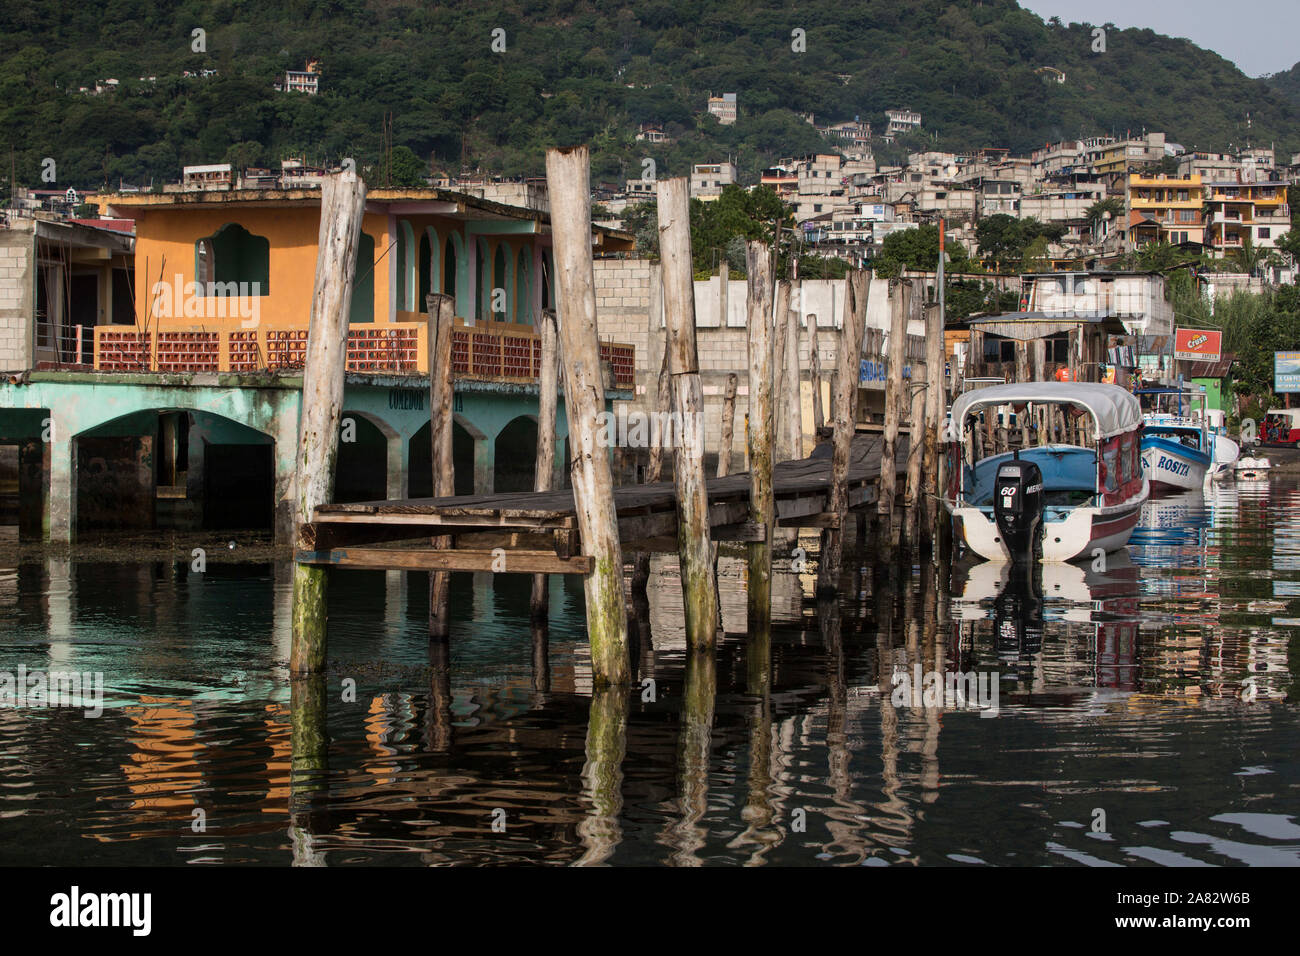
(1180, 451)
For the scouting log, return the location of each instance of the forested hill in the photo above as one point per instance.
(1287, 83)
(582, 71)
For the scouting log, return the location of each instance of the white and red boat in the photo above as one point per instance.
(1048, 501)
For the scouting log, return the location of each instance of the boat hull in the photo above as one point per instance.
(1172, 467)
(1079, 533)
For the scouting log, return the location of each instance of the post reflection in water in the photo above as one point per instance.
(309, 767)
(1109, 676)
(602, 775)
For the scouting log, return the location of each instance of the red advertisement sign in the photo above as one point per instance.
(1197, 345)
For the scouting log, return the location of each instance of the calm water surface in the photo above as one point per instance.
(1145, 716)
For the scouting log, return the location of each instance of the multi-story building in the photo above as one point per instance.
(1165, 209)
(1236, 211)
(901, 121)
(709, 179)
(782, 180)
(724, 108)
(1121, 156)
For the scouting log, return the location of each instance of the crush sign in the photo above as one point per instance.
(1197, 345)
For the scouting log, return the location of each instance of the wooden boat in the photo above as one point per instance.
(1048, 500)
(1180, 451)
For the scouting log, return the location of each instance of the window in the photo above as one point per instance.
(1265, 233)
(232, 254)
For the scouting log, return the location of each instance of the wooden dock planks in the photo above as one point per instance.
(351, 534)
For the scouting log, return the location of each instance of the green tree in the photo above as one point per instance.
(918, 249)
(407, 169)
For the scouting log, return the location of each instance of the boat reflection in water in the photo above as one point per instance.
(1061, 632)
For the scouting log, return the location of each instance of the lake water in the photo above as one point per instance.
(1137, 714)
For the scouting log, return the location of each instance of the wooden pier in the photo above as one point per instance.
(384, 534)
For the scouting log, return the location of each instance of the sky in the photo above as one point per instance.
(1263, 41)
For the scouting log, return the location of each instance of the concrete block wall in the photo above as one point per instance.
(623, 315)
(17, 288)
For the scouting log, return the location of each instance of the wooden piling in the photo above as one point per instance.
(693, 532)
(663, 405)
(724, 286)
(912, 496)
(900, 303)
(936, 401)
(762, 504)
(442, 316)
(815, 373)
(548, 388)
(728, 426)
(1022, 376)
(343, 201)
(568, 176)
(781, 449)
(845, 410)
(794, 394)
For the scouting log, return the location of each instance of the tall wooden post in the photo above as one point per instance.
(728, 426)
(343, 202)
(663, 405)
(915, 390)
(1022, 375)
(568, 177)
(900, 302)
(815, 372)
(936, 400)
(780, 381)
(794, 396)
(724, 286)
(762, 502)
(547, 388)
(442, 314)
(693, 533)
(845, 409)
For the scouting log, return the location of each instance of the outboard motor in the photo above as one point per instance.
(1018, 508)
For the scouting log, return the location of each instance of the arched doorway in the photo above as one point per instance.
(420, 470)
(514, 456)
(361, 469)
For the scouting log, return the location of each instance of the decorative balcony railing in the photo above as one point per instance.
(399, 348)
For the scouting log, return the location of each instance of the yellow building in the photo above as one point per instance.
(228, 275)
(1165, 209)
(1236, 211)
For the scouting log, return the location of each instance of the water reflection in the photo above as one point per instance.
(1157, 685)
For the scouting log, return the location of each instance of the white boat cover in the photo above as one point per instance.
(1114, 410)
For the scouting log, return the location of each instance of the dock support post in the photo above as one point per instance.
(568, 176)
(815, 367)
(780, 375)
(900, 302)
(913, 495)
(762, 503)
(845, 408)
(663, 404)
(794, 393)
(343, 200)
(547, 385)
(693, 533)
(442, 312)
(936, 401)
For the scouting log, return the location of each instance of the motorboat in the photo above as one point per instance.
(1072, 487)
(1180, 448)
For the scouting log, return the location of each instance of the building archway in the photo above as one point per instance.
(515, 456)
(420, 469)
(361, 469)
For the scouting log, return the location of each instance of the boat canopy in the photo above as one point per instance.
(1114, 410)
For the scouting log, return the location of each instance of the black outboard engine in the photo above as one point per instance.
(1018, 508)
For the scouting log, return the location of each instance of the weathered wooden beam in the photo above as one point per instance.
(900, 301)
(815, 367)
(794, 397)
(446, 560)
(936, 401)
(694, 548)
(568, 176)
(442, 317)
(544, 463)
(845, 409)
(781, 450)
(761, 501)
(343, 200)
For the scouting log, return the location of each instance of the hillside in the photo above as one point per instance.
(1287, 83)
(574, 71)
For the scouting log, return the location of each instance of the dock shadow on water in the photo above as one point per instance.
(1135, 711)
